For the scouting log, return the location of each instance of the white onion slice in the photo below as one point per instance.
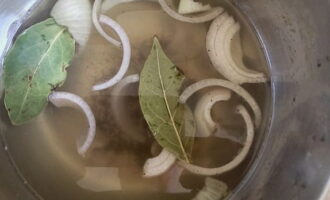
(198, 18)
(190, 90)
(159, 164)
(66, 99)
(95, 17)
(205, 124)
(237, 160)
(218, 43)
(126, 53)
(190, 6)
(212, 190)
(173, 185)
(76, 15)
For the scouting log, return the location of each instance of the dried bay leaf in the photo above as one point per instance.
(171, 123)
(34, 66)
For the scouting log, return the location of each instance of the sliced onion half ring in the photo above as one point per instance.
(219, 43)
(66, 99)
(190, 90)
(173, 180)
(237, 160)
(205, 124)
(95, 18)
(101, 7)
(159, 164)
(212, 190)
(126, 53)
(190, 6)
(197, 18)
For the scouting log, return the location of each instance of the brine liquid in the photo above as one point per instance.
(45, 149)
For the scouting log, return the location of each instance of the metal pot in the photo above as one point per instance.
(292, 162)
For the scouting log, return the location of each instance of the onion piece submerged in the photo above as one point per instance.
(100, 179)
(199, 18)
(76, 15)
(190, 90)
(190, 6)
(159, 164)
(126, 53)
(66, 99)
(123, 120)
(173, 180)
(205, 124)
(223, 133)
(237, 160)
(134, 78)
(95, 17)
(212, 190)
(218, 43)
(100, 7)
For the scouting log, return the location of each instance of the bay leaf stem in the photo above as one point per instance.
(168, 109)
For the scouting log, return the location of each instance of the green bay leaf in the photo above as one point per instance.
(171, 123)
(35, 65)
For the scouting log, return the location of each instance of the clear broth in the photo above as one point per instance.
(44, 150)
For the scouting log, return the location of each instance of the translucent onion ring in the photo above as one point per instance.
(100, 7)
(134, 78)
(126, 53)
(159, 164)
(173, 180)
(201, 18)
(66, 99)
(218, 45)
(190, 90)
(237, 160)
(95, 18)
(212, 190)
(190, 7)
(202, 112)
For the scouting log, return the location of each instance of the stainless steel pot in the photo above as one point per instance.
(293, 162)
